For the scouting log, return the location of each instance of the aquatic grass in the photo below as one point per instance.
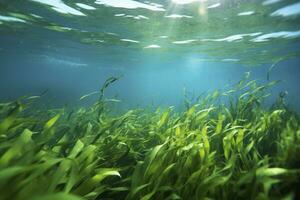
(238, 149)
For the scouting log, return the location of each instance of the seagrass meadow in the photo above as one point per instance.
(211, 150)
(149, 100)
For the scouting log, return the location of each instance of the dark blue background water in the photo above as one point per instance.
(153, 82)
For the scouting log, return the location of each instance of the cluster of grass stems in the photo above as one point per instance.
(240, 149)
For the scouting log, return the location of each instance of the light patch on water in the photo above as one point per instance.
(281, 34)
(214, 5)
(152, 46)
(176, 16)
(129, 4)
(183, 1)
(132, 16)
(36, 16)
(129, 16)
(110, 33)
(246, 13)
(268, 2)
(233, 38)
(84, 6)
(119, 15)
(60, 7)
(163, 36)
(287, 11)
(141, 17)
(62, 28)
(184, 41)
(63, 62)
(230, 60)
(67, 28)
(129, 40)
(11, 19)
(195, 63)
(156, 5)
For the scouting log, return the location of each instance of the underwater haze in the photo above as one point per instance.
(149, 100)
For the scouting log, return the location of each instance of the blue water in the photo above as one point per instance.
(159, 48)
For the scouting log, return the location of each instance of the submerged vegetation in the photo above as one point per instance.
(235, 150)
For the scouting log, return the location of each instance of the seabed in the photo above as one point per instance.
(241, 149)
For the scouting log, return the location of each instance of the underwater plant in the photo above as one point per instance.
(241, 149)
